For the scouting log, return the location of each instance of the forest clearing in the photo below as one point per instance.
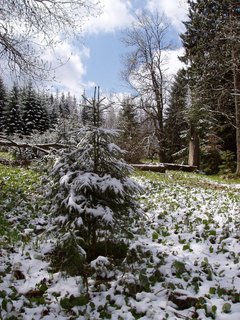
(126, 205)
(180, 260)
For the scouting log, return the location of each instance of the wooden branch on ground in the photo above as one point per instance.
(162, 167)
(180, 167)
(150, 167)
(43, 147)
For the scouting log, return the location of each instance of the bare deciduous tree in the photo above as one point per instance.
(28, 27)
(145, 67)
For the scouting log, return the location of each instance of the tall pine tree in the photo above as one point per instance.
(34, 114)
(2, 104)
(13, 120)
(175, 122)
(210, 74)
(130, 134)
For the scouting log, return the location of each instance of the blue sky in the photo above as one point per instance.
(104, 65)
(96, 60)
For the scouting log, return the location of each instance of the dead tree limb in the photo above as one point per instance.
(43, 147)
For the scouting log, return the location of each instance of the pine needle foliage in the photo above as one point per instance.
(92, 196)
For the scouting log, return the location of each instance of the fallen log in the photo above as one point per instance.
(162, 167)
(180, 167)
(42, 147)
(150, 167)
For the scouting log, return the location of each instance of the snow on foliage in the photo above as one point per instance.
(81, 191)
(90, 187)
(182, 262)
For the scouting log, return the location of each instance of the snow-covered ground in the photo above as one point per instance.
(183, 263)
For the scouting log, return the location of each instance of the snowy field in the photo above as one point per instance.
(182, 263)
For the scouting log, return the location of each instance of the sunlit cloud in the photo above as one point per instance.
(115, 15)
(70, 74)
(172, 61)
(68, 62)
(175, 10)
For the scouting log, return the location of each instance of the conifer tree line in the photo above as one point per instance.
(25, 110)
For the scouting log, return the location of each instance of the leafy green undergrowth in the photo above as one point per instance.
(18, 202)
(196, 224)
(6, 155)
(17, 182)
(182, 263)
(229, 179)
(188, 179)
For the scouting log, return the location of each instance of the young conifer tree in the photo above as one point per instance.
(92, 196)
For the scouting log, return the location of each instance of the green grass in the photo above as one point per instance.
(19, 185)
(6, 155)
(231, 179)
(8, 234)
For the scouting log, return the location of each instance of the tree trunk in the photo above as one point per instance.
(161, 155)
(236, 80)
(234, 20)
(237, 106)
(161, 143)
(194, 149)
(158, 123)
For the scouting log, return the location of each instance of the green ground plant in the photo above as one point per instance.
(181, 261)
(17, 200)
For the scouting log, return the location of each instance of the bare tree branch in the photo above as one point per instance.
(28, 27)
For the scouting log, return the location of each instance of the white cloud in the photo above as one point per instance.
(69, 64)
(175, 10)
(173, 63)
(67, 68)
(115, 15)
(69, 76)
(118, 15)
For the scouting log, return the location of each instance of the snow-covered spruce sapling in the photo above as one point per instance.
(92, 196)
